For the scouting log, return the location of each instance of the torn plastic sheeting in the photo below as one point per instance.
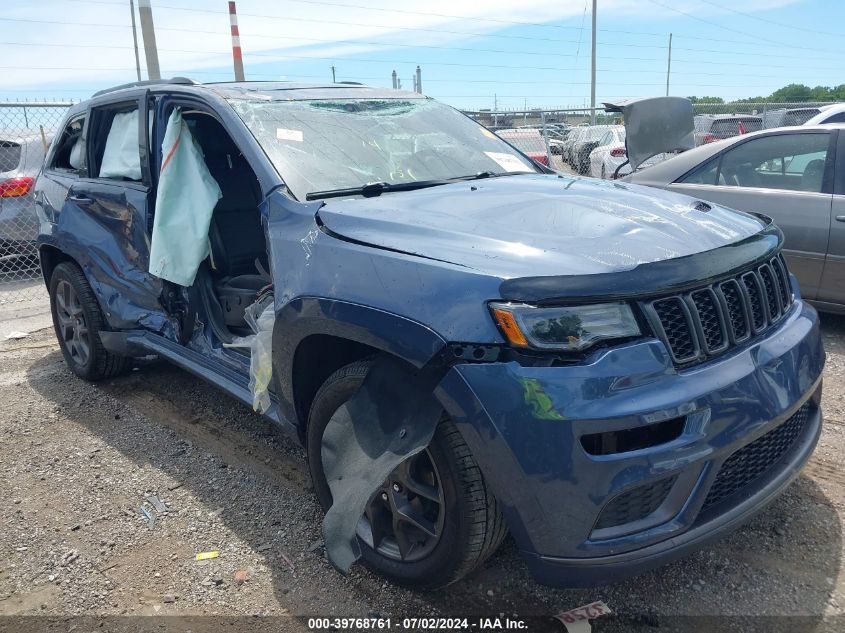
(185, 200)
(390, 418)
(260, 317)
(120, 156)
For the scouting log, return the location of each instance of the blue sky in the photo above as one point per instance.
(535, 54)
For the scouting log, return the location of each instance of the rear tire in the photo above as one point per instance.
(78, 321)
(472, 526)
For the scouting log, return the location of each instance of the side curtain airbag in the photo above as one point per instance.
(186, 197)
(120, 156)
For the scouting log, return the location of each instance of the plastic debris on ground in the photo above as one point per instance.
(152, 506)
(13, 336)
(148, 514)
(260, 317)
(156, 503)
(207, 555)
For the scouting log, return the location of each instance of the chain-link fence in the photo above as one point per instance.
(562, 138)
(26, 130)
(566, 139)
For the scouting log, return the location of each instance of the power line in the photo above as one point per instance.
(814, 31)
(733, 30)
(771, 43)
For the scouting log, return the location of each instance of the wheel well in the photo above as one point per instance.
(50, 257)
(317, 357)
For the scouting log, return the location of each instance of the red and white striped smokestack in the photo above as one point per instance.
(237, 56)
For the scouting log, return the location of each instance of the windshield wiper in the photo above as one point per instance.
(377, 188)
(374, 189)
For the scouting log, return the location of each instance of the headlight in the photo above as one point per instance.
(570, 328)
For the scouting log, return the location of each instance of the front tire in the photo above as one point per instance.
(78, 322)
(443, 482)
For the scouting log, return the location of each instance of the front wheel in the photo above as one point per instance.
(433, 520)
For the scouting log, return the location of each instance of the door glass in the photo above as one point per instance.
(704, 174)
(69, 154)
(116, 152)
(794, 162)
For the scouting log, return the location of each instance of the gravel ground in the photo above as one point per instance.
(79, 460)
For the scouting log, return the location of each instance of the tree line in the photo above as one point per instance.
(793, 93)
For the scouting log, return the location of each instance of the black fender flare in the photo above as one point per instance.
(408, 340)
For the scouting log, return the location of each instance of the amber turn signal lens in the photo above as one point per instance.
(508, 324)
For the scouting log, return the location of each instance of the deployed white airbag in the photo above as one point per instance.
(121, 158)
(75, 158)
(186, 197)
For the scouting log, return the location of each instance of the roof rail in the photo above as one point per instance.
(182, 81)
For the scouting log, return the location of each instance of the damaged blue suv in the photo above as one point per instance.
(466, 343)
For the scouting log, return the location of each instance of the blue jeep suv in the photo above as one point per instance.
(467, 343)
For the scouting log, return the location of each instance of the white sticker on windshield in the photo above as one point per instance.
(508, 162)
(288, 135)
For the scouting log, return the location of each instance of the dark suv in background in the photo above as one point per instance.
(465, 342)
(715, 127)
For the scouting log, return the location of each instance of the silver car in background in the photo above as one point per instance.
(20, 161)
(795, 175)
(611, 155)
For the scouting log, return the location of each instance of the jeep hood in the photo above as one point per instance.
(535, 225)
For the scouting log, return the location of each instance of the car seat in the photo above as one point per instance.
(236, 235)
(811, 179)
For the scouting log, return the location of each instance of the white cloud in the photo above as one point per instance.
(194, 36)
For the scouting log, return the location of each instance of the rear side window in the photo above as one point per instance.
(114, 140)
(794, 162)
(10, 156)
(732, 126)
(704, 174)
(836, 118)
(70, 154)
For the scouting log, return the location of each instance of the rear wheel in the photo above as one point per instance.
(433, 520)
(78, 322)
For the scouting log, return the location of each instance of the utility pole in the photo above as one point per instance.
(669, 65)
(334, 78)
(237, 54)
(593, 71)
(135, 39)
(149, 35)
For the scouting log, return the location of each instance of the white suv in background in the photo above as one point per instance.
(834, 113)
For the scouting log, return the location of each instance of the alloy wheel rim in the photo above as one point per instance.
(404, 519)
(73, 330)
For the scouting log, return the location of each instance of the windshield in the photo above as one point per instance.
(324, 145)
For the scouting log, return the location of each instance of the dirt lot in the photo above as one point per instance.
(79, 459)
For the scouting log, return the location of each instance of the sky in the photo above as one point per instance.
(473, 55)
